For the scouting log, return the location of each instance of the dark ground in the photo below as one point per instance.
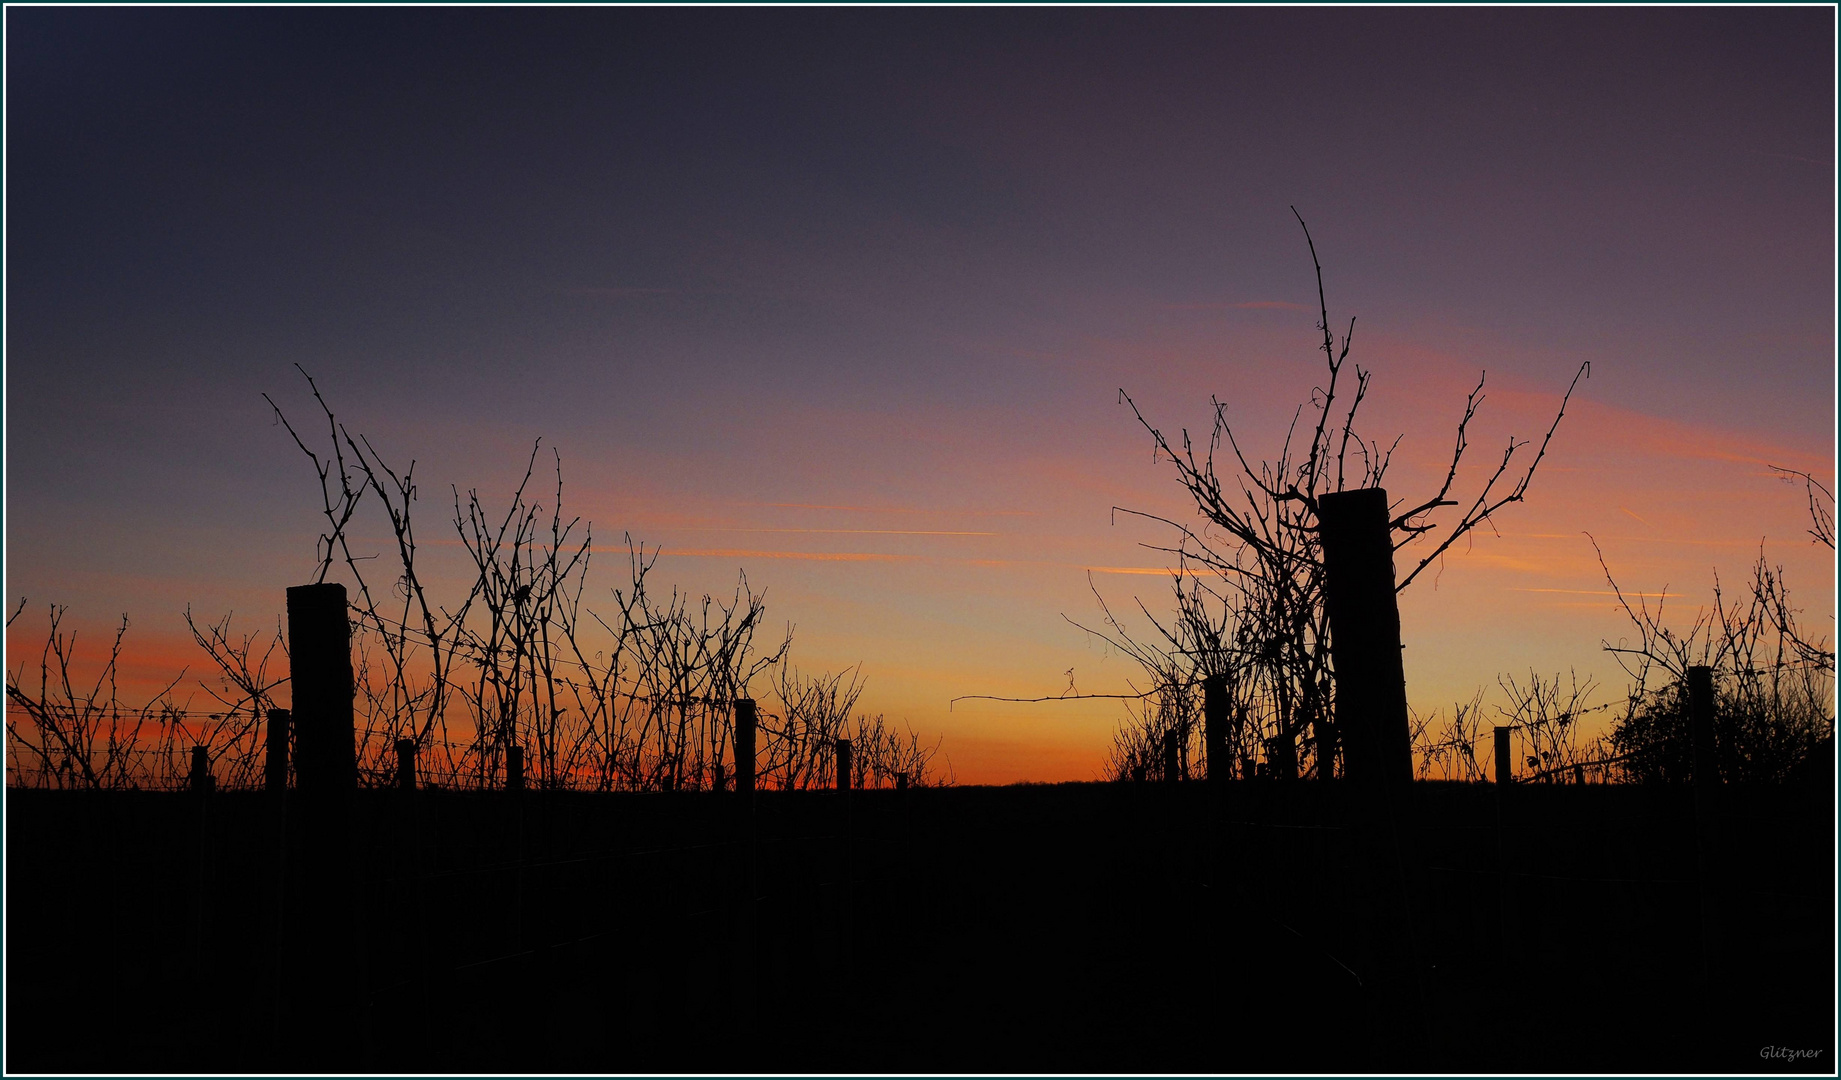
(1076, 927)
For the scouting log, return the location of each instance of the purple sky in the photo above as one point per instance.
(739, 264)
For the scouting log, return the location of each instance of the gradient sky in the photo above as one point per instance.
(845, 298)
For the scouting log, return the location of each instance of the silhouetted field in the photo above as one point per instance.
(1076, 927)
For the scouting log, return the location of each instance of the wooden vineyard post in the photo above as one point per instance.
(514, 769)
(200, 779)
(1358, 585)
(200, 784)
(275, 771)
(1371, 722)
(1505, 776)
(1700, 727)
(1282, 757)
(1172, 766)
(744, 746)
(406, 764)
(405, 822)
(1706, 822)
(320, 661)
(275, 780)
(849, 871)
(323, 1019)
(1219, 768)
(742, 915)
(847, 879)
(1214, 730)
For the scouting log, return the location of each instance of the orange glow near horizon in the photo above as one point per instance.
(943, 611)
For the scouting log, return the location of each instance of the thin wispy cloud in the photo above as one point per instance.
(878, 556)
(814, 556)
(847, 532)
(1667, 438)
(1597, 592)
(889, 509)
(1683, 540)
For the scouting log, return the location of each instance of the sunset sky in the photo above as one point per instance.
(845, 298)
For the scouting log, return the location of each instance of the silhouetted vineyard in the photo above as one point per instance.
(1083, 927)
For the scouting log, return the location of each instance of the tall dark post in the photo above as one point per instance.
(1358, 584)
(201, 770)
(719, 780)
(1700, 726)
(276, 773)
(1282, 757)
(320, 663)
(1501, 933)
(406, 764)
(1172, 765)
(1214, 728)
(741, 924)
(514, 768)
(1371, 723)
(1707, 824)
(744, 746)
(321, 902)
(1326, 747)
(847, 871)
(275, 776)
(276, 779)
(201, 895)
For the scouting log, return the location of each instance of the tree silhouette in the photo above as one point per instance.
(1249, 580)
(1773, 679)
